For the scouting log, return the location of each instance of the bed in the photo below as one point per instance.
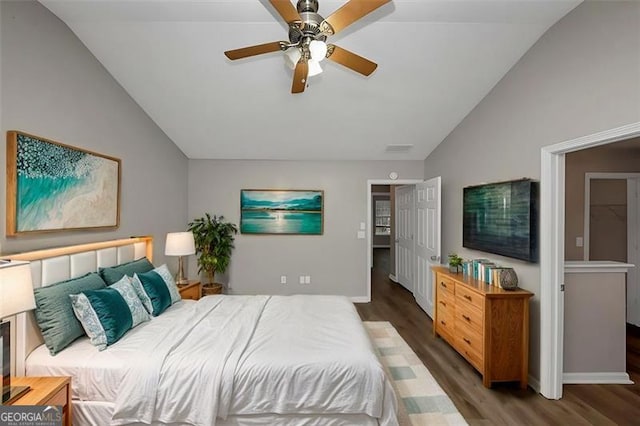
(223, 360)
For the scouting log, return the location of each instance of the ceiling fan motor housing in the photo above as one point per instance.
(307, 6)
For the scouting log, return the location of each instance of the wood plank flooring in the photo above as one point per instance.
(504, 404)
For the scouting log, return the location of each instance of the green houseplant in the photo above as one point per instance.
(213, 238)
(455, 263)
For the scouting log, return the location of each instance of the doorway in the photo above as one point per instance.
(371, 185)
(552, 201)
(417, 241)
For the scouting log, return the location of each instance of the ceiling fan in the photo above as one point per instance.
(308, 32)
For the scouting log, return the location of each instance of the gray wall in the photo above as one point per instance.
(581, 77)
(52, 86)
(336, 261)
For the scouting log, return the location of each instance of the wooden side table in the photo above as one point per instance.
(46, 391)
(191, 290)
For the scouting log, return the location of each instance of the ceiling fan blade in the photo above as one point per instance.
(348, 14)
(259, 49)
(350, 60)
(287, 10)
(300, 77)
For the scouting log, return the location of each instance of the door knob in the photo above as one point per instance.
(435, 258)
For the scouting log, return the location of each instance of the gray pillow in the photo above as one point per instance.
(54, 312)
(113, 274)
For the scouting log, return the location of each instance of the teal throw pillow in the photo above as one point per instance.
(104, 315)
(152, 291)
(138, 312)
(113, 274)
(54, 312)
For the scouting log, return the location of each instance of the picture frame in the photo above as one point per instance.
(282, 211)
(55, 187)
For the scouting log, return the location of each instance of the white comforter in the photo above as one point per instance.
(256, 354)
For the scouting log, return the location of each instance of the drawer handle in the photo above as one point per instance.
(466, 296)
(443, 303)
(467, 341)
(466, 318)
(443, 323)
(443, 284)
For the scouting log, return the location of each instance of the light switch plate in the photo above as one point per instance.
(579, 242)
(361, 235)
(363, 226)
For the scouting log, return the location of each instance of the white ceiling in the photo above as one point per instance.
(437, 60)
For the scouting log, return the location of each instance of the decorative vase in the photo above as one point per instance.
(508, 279)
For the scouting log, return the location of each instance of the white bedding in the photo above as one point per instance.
(301, 355)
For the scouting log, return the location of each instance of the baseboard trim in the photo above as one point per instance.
(360, 299)
(382, 246)
(534, 383)
(393, 278)
(597, 378)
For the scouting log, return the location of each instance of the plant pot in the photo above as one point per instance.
(453, 269)
(210, 289)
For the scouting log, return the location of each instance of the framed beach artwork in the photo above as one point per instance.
(289, 212)
(56, 187)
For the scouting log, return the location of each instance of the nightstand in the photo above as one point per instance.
(46, 391)
(191, 290)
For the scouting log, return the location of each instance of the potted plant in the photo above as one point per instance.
(213, 239)
(455, 263)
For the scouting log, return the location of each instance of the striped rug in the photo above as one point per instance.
(421, 400)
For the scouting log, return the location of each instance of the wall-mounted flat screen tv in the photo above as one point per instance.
(502, 218)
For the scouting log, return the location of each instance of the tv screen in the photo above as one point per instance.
(502, 218)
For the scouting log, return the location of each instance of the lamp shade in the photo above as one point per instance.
(16, 288)
(179, 244)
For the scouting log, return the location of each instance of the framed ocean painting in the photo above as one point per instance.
(56, 187)
(289, 212)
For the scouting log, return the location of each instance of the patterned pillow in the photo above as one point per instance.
(104, 315)
(138, 313)
(163, 271)
(54, 312)
(152, 291)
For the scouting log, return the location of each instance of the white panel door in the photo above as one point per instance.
(404, 236)
(427, 246)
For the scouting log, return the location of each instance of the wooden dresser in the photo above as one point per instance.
(487, 325)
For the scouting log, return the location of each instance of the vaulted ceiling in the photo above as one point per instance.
(437, 60)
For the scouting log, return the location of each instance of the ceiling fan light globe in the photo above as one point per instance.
(314, 68)
(318, 50)
(291, 57)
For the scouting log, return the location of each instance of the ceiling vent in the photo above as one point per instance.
(399, 147)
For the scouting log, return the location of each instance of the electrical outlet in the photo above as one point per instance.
(307, 279)
(301, 279)
(283, 279)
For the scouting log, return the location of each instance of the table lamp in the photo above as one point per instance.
(16, 296)
(180, 244)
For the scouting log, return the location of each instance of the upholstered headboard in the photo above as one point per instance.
(53, 265)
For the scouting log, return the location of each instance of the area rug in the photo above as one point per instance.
(421, 399)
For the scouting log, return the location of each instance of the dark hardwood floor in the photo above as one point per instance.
(504, 404)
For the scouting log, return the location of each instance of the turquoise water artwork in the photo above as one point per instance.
(265, 211)
(59, 187)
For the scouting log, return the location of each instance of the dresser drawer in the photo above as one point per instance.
(468, 338)
(467, 296)
(471, 355)
(445, 322)
(445, 286)
(470, 316)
